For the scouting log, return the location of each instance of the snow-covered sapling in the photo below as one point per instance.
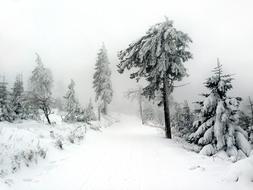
(71, 103)
(217, 126)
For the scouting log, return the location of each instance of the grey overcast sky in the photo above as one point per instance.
(68, 33)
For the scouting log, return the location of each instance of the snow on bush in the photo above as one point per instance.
(77, 134)
(68, 133)
(18, 147)
(24, 144)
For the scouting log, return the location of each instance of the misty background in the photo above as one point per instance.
(68, 34)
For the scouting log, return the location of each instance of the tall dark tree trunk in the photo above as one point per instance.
(166, 92)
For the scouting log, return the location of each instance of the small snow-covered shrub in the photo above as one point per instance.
(59, 144)
(68, 133)
(19, 147)
(77, 134)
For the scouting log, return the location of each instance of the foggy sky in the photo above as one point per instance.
(68, 33)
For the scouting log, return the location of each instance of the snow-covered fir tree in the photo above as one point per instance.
(71, 103)
(6, 112)
(217, 126)
(41, 83)
(17, 97)
(102, 81)
(158, 57)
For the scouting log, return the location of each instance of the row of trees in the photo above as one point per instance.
(159, 58)
(21, 104)
(11, 105)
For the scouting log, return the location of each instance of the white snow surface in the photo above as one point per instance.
(242, 172)
(128, 156)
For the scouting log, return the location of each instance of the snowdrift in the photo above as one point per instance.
(18, 147)
(26, 143)
(242, 171)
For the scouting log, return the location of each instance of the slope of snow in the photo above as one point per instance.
(126, 155)
(18, 148)
(27, 143)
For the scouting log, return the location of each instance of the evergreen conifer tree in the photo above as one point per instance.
(217, 126)
(158, 57)
(6, 112)
(71, 103)
(17, 100)
(102, 81)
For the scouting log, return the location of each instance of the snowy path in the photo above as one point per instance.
(126, 156)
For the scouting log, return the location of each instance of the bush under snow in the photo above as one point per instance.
(24, 144)
(18, 147)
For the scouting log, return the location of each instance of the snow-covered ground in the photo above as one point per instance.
(131, 156)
